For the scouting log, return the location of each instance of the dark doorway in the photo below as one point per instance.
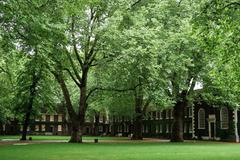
(212, 125)
(51, 129)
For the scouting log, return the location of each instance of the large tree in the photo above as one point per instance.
(81, 51)
(23, 25)
(218, 28)
(159, 56)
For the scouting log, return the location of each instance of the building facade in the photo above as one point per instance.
(200, 122)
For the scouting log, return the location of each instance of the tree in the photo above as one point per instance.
(160, 56)
(6, 85)
(83, 49)
(25, 30)
(218, 26)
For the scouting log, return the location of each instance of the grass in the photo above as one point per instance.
(122, 151)
(62, 138)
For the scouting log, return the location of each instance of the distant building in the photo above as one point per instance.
(200, 122)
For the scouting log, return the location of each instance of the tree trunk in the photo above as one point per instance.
(137, 128)
(75, 128)
(137, 124)
(76, 136)
(96, 124)
(177, 127)
(30, 105)
(25, 126)
(82, 102)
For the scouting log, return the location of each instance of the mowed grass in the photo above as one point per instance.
(122, 151)
(17, 137)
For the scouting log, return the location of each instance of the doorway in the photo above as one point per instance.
(211, 130)
(212, 126)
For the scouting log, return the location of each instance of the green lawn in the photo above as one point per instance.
(62, 138)
(122, 151)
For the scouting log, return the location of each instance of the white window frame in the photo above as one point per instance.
(221, 118)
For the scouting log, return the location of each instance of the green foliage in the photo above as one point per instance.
(218, 27)
(153, 49)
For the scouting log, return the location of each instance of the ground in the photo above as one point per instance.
(119, 149)
(60, 138)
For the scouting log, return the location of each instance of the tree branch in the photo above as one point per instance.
(74, 42)
(146, 105)
(179, 3)
(231, 4)
(110, 89)
(72, 76)
(92, 52)
(73, 66)
(3, 70)
(135, 3)
(66, 94)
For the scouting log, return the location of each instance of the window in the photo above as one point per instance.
(37, 128)
(125, 128)
(60, 118)
(167, 128)
(43, 117)
(110, 128)
(224, 118)
(51, 118)
(190, 111)
(59, 128)
(100, 128)
(43, 128)
(201, 118)
(154, 115)
(161, 114)
(160, 128)
(172, 112)
(167, 114)
(190, 128)
(147, 129)
(151, 115)
(185, 127)
(157, 128)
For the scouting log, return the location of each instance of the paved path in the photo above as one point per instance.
(145, 140)
(18, 142)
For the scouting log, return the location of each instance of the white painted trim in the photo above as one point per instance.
(221, 118)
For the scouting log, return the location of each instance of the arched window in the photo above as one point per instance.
(201, 118)
(224, 118)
